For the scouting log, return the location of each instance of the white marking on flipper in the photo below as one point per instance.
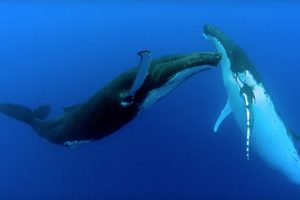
(225, 112)
(248, 127)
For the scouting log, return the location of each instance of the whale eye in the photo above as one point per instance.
(243, 77)
(247, 78)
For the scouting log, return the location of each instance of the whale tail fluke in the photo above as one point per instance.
(25, 114)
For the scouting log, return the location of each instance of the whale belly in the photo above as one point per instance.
(271, 139)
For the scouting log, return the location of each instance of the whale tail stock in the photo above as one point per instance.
(25, 114)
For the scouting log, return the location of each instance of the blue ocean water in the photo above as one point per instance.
(62, 53)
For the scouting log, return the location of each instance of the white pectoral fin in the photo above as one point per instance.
(225, 112)
(145, 61)
(142, 73)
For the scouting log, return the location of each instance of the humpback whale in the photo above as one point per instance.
(253, 109)
(118, 102)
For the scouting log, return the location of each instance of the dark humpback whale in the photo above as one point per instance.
(253, 108)
(117, 103)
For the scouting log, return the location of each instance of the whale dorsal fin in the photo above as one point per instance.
(41, 112)
(70, 108)
(225, 112)
(295, 136)
(140, 78)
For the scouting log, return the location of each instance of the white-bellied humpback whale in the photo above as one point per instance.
(118, 102)
(253, 108)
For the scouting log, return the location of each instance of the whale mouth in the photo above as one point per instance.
(175, 81)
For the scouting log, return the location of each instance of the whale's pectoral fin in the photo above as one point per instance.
(225, 112)
(142, 73)
(140, 78)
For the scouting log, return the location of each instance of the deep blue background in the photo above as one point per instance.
(62, 53)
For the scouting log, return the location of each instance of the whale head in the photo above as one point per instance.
(237, 60)
(167, 73)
